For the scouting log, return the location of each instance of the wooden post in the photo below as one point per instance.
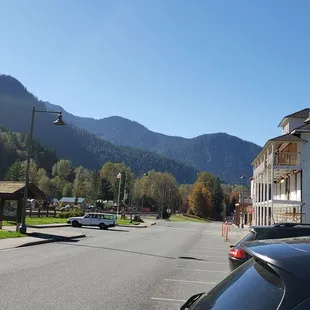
(19, 213)
(1, 211)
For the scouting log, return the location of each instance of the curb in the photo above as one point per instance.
(137, 226)
(58, 238)
(132, 226)
(48, 226)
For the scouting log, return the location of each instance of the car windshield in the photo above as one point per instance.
(254, 285)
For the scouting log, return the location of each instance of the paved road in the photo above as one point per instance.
(115, 269)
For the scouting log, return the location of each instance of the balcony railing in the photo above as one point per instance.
(287, 159)
(278, 159)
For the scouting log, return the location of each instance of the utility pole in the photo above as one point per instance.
(243, 191)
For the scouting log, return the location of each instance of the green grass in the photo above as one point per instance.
(38, 221)
(4, 234)
(126, 222)
(182, 218)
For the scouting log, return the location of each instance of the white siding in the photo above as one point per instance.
(291, 124)
(285, 129)
(305, 163)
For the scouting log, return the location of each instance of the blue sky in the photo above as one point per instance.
(178, 67)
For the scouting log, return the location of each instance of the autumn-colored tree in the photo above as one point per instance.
(213, 184)
(184, 190)
(200, 200)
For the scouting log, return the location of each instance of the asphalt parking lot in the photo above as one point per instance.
(122, 268)
(204, 264)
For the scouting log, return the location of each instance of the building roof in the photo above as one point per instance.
(287, 137)
(71, 199)
(10, 187)
(299, 114)
(305, 127)
(13, 187)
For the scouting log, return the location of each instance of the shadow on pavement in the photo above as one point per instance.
(120, 250)
(110, 229)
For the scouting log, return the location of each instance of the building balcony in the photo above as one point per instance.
(282, 162)
(287, 159)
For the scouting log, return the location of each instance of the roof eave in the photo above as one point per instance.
(262, 150)
(295, 131)
(283, 119)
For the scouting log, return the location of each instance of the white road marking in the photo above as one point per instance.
(206, 270)
(168, 299)
(190, 281)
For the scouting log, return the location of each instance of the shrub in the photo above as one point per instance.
(68, 214)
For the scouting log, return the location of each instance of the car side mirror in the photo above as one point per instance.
(232, 246)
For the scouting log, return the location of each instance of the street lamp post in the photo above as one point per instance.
(243, 176)
(59, 122)
(119, 192)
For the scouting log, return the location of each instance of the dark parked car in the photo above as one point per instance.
(276, 278)
(237, 256)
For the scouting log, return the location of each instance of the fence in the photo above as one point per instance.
(41, 213)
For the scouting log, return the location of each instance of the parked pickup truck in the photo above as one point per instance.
(103, 221)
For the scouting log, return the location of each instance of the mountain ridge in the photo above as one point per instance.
(224, 155)
(60, 108)
(76, 143)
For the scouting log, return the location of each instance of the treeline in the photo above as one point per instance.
(207, 197)
(13, 146)
(157, 191)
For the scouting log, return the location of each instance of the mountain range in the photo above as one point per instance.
(91, 143)
(224, 155)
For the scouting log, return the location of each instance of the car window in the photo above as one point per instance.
(253, 286)
(284, 233)
(249, 237)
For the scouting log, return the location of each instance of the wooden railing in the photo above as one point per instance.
(287, 159)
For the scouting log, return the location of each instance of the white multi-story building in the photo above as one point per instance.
(280, 187)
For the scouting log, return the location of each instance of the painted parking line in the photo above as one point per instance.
(205, 270)
(168, 299)
(189, 281)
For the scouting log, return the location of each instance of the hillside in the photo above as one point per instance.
(74, 143)
(13, 146)
(219, 153)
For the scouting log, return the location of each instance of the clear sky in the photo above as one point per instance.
(178, 67)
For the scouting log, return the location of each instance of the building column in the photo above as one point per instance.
(254, 200)
(261, 198)
(272, 184)
(264, 200)
(264, 194)
(258, 200)
(267, 206)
